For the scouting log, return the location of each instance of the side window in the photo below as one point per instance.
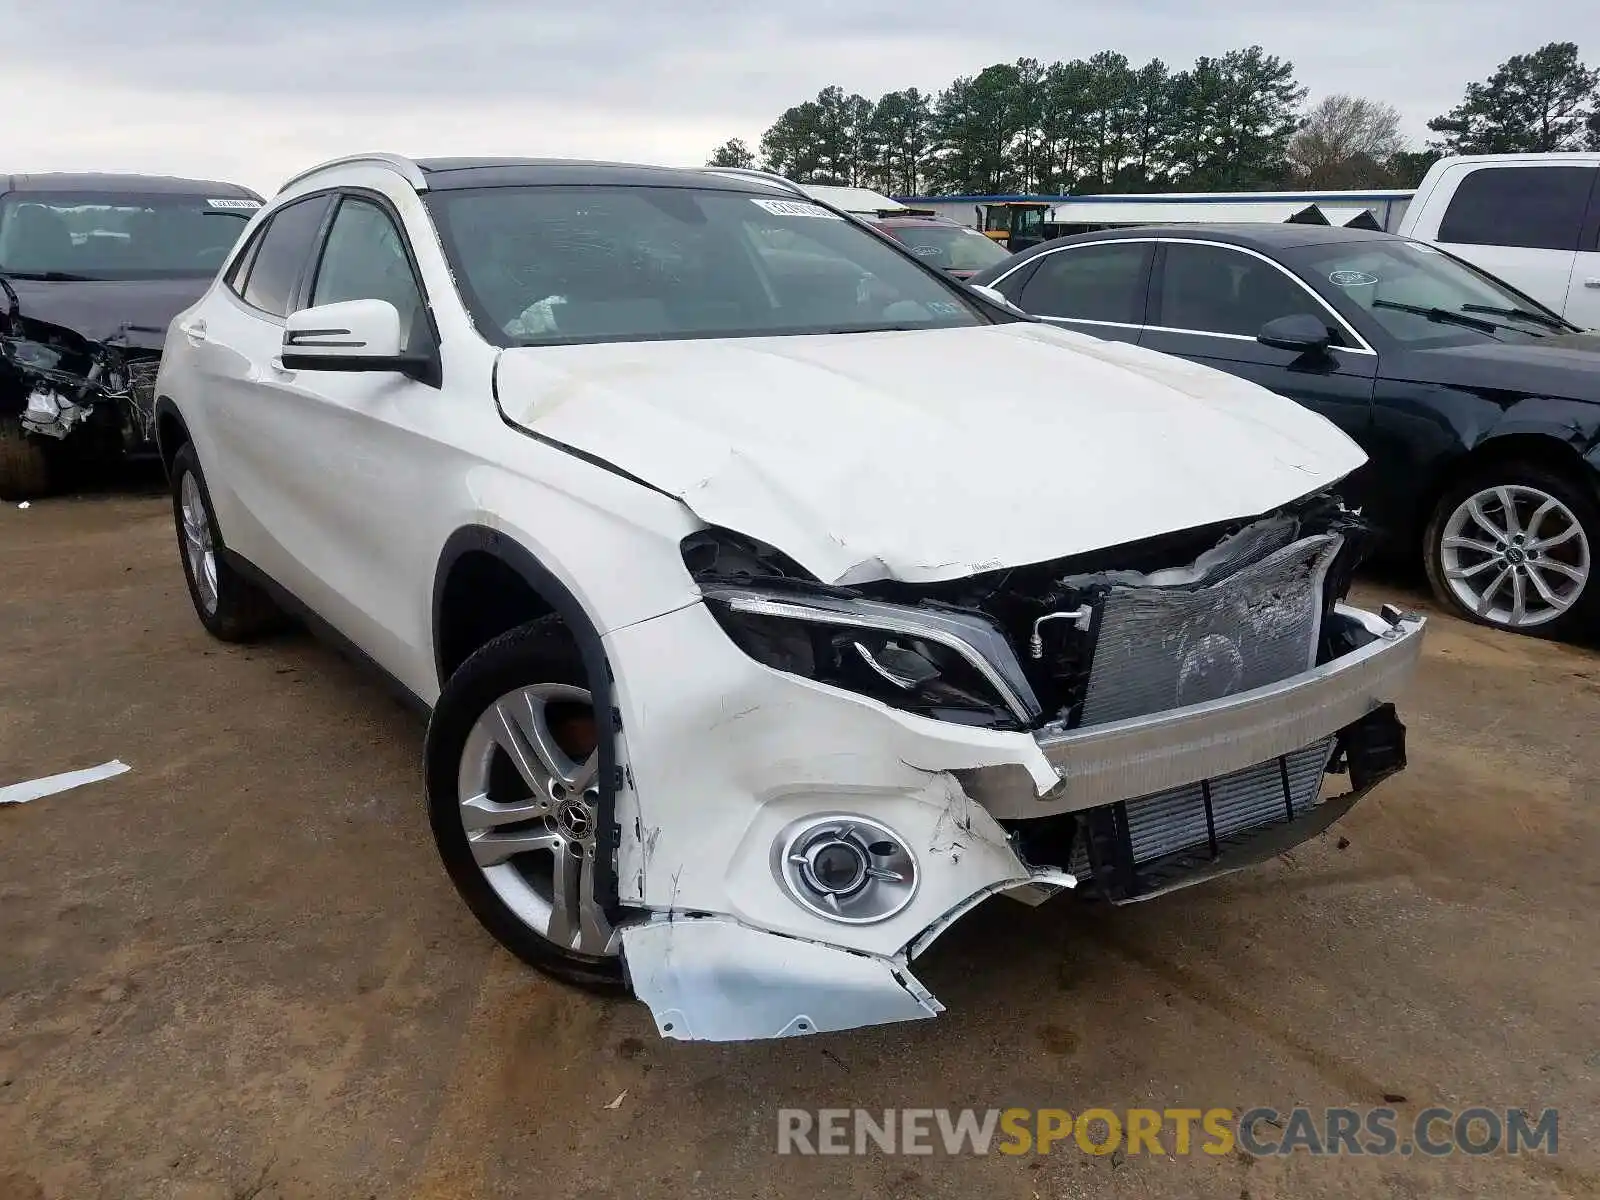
(365, 259)
(241, 265)
(1539, 208)
(1097, 282)
(1213, 289)
(285, 247)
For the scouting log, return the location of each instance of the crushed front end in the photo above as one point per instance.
(1118, 724)
(60, 387)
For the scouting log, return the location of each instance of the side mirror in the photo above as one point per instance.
(1299, 332)
(353, 335)
(994, 294)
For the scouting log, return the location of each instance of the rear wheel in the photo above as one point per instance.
(228, 605)
(1512, 546)
(513, 796)
(24, 462)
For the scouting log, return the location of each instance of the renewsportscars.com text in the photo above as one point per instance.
(1261, 1131)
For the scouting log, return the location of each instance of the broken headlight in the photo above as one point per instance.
(944, 664)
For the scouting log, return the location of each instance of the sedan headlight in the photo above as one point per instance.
(949, 665)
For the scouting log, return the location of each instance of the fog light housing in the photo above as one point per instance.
(845, 868)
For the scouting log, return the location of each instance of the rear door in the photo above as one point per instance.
(1208, 303)
(1523, 222)
(1097, 288)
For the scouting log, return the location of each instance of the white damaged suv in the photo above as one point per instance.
(776, 599)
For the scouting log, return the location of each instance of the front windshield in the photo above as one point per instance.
(116, 235)
(1422, 297)
(950, 247)
(541, 265)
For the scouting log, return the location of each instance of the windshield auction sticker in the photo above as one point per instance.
(795, 208)
(1347, 279)
(232, 203)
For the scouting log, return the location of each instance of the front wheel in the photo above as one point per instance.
(1511, 546)
(512, 765)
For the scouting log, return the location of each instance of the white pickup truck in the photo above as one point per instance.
(1531, 219)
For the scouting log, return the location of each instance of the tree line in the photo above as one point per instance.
(1233, 123)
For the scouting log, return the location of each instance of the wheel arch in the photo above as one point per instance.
(1554, 448)
(171, 432)
(476, 556)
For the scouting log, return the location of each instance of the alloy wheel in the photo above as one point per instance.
(199, 546)
(1515, 556)
(528, 791)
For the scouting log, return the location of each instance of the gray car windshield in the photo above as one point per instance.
(1423, 297)
(543, 265)
(118, 235)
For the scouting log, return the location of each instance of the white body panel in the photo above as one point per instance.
(916, 456)
(933, 454)
(1565, 281)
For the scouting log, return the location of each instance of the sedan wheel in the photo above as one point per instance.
(1514, 548)
(528, 795)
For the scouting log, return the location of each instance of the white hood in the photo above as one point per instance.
(931, 454)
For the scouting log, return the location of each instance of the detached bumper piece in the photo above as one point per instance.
(713, 979)
(1141, 848)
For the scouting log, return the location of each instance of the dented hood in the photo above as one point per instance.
(928, 454)
(135, 311)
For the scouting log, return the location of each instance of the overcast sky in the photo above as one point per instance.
(255, 91)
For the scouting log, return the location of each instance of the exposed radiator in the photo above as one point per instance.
(1160, 648)
(1174, 820)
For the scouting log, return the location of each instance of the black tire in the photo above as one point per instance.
(540, 652)
(1578, 497)
(24, 462)
(242, 612)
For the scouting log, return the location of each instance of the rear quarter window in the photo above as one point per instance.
(1537, 208)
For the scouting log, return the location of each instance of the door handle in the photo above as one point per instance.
(1594, 283)
(195, 331)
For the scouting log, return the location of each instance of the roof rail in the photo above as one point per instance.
(395, 162)
(751, 173)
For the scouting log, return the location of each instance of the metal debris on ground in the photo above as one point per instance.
(49, 785)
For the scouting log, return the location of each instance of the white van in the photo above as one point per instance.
(1531, 219)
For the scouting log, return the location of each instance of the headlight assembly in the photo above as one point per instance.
(951, 666)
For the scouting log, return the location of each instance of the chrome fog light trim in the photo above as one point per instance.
(845, 868)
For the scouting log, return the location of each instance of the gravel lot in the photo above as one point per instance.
(239, 972)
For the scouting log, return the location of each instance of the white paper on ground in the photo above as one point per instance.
(34, 789)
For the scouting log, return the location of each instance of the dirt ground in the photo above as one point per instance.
(238, 971)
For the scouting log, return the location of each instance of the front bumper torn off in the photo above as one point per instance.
(717, 977)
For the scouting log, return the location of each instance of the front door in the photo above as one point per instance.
(1208, 303)
(362, 452)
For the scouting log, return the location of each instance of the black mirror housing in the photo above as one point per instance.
(1301, 333)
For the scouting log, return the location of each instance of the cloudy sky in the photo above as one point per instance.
(255, 91)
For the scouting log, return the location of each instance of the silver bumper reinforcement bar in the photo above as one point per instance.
(1121, 760)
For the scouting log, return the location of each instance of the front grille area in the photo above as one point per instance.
(1245, 614)
(1241, 627)
(1204, 815)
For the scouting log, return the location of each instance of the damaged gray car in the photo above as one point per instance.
(92, 270)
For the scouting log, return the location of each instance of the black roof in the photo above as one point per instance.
(95, 181)
(444, 174)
